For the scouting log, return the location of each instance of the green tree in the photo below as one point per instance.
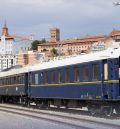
(35, 44)
(54, 52)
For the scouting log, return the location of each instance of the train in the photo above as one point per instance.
(89, 80)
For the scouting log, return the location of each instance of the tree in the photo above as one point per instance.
(35, 44)
(54, 52)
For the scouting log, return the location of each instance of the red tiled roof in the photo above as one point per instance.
(80, 40)
(115, 33)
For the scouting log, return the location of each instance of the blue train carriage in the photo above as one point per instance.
(14, 85)
(90, 80)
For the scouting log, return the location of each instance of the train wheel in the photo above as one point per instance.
(92, 109)
(108, 111)
(117, 109)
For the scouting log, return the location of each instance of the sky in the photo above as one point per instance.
(75, 18)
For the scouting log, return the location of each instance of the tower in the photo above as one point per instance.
(54, 34)
(5, 30)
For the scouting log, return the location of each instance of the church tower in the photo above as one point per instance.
(54, 35)
(5, 30)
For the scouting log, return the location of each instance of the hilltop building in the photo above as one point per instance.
(10, 45)
(54, 35)
(79, 45)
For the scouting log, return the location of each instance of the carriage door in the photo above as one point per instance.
(107, 87)
(111, 69)
(105, 79)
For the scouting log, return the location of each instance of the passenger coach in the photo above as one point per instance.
(91, 80)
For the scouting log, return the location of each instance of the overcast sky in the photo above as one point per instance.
(75, 18)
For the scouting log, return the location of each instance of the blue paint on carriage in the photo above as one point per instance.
(103, 90)
(67, 91)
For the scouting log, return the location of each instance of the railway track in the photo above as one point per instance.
(73, 120)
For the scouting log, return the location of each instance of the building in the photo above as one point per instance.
(10, 45)
(54, 35)
(82, 44)
(29, 57)
(115, 38)
(70, 46)
(6, 42)
(7, 61)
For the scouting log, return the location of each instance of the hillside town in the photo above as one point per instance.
(59, 64)
(17, 50)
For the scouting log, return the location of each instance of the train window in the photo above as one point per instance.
(18, 79)
(22, 79)
(36, 78)
(46, 77)
(106, 71)
(67, 75)
(4, 81)
(0, 82)
(53, 77)
(85, 73)
(7, 81)
(41, 74)
(12, 82)
(95, 72)
(15, 80)
(59, 76)
(77, 74)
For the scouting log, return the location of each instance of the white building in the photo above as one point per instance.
(10, 47)
(7, 61)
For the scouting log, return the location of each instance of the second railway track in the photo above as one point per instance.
(70, 119)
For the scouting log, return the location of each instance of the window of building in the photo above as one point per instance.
(76, 74)
(85, 73)
(95, 72)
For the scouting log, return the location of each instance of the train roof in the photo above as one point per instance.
(106, 54)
